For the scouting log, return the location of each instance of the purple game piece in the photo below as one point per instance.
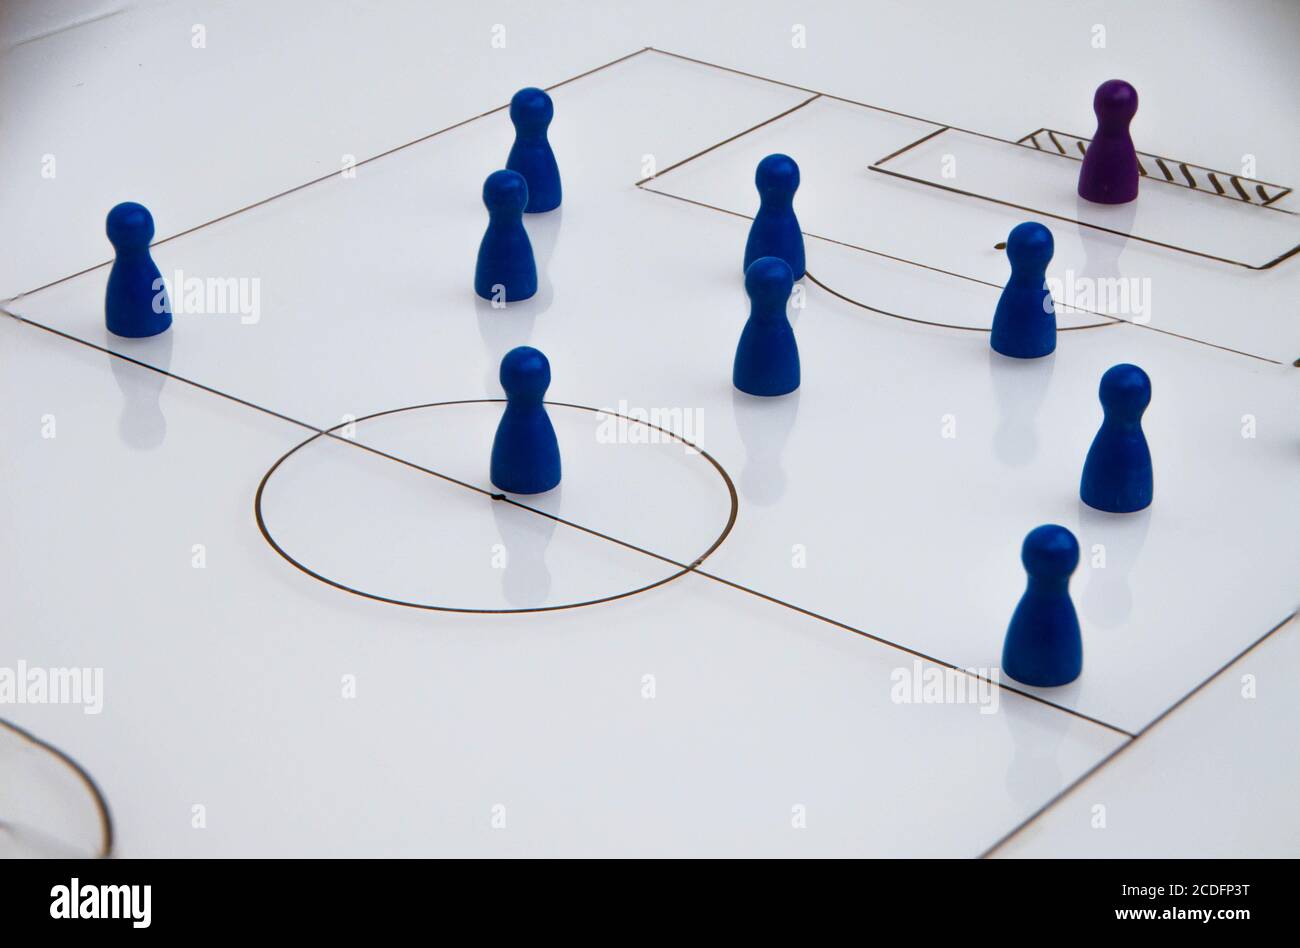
(1110, 167)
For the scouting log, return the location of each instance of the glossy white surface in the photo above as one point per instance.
(333, 507)
(828, 138)
(365, 284)
(641, 305)
(916, 293)
(252, 112)
(1045, 182)
(223, 685)
(1215, 779)
(834, 143)
(225, 682)
(914, 535)
(49, 812)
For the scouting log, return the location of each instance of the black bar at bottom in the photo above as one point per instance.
(1034, 898)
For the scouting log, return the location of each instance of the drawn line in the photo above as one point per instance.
(1071, 220)
(830, 240)
(683, 569)
(107, 829)
(87, 21)
(693, 567)
(920, 141)
(814, 95)
(1125, 746)
(1112, 321)
(823, 94)
(914, 652)
(960, 276)
(1081, 146)
(1266, 266)
(878, 253)
(333, 174)
(101, 804)
(727, 141)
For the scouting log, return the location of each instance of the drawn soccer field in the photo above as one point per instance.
(719, 634)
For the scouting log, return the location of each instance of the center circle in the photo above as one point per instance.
(367, 505)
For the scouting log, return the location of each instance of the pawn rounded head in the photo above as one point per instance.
(1050, 552)
(129, 226)
(1115, 100)
(531, 109)
(525, 373)
(777, 174)
(1030, 245)
(768, 281)
(505, 191)
(1125, 388)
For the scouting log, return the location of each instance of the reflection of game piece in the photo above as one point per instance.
(1020, 387)
(1102, 251)
(1110, 167)
(767, 358)
(506, 270)
(1117, 474)
(775, 231)
(1107, 600)
(1043, 646)
(764, 426)
(531, 112)
(142, 424)
(525, 538)
(136, 303)
(525, 452)
(1024, 324)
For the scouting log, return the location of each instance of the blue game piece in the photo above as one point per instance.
(767, 358)
(775, 231)
(505, 257)
(136, 303)
(531, 155)
(525, 452)
(1117, 474)
(1043, 646)
(1024, 324)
